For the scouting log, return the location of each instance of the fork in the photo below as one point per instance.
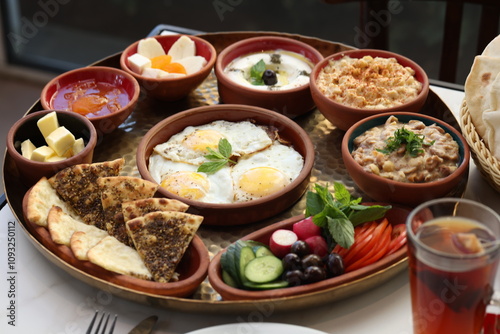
(89, 330)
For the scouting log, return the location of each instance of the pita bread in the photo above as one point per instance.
(134, 209)
(478, 86)
(41, 198)
(116, 190)
(112, 255)
(81, 242)
(493, 48)
(62, 226)
(77, 185)
(161, 238)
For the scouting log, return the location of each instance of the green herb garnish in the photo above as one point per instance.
(413, 142)
(218, 159)
(339, 213)
(256, 73)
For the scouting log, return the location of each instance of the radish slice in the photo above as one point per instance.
(281, 241)
(318, 245)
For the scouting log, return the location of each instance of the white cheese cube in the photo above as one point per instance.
(154, 73)
(60, 140)
(42, 153)
(182, 48)
(150, 48)
(138, 63)
(192, 64)
(27, 148)
(48, 124)
(78, 146)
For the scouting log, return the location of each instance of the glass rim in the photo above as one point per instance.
(411, 235)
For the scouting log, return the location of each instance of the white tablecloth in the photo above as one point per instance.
(38, 297)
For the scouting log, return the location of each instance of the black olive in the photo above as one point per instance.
(311, 260)
(269, 77)
(314, 274)
(294, 277)
(301, 248)
(334, 265)
(291, 261)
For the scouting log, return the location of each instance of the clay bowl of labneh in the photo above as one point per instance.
(269, 72)
(406, 158)
(351, 85)
(105, 95)
(197, 155)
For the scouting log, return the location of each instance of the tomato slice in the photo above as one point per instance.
(368, 247)
(398, 238)
(360, 233)
(376, 252)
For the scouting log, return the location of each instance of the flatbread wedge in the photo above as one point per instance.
(62, 226)
(161, 239)
(138, 208)
(112, 255)
(77, 185)
(114, 191)
(81, 242)
(41, 198)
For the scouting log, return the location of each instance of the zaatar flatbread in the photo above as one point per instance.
(77, 185)
(161, 239)
(116, 190)
(41, 198)
(112, 255)
(134, 209)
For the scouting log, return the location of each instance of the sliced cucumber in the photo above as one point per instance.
(263, 269)
(243, 257)
(262, 251)
(228, 264)
(266, 286)
(229, 280)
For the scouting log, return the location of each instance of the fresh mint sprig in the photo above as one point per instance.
(339, 213)
(256, 73)
(218, 158)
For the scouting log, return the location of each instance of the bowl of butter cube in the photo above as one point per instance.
(44, 142)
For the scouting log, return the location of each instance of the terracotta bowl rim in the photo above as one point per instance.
(210, 62)
(90, 69)
(219, 71)
(305, 172)
(90, 145)
(367, 52)
(462, 168)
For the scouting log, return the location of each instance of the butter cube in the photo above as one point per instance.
(78, 146)
(138, 63)
(27, 148)
(48, 123)
(55, 158)
(42, 153)
(60, 140)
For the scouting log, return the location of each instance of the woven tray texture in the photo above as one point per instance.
(488, 165)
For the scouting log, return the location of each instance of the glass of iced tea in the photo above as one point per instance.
(454, 250)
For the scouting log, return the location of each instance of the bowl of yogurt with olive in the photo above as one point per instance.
(271, 72)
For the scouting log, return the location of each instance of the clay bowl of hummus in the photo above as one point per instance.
(351, 85)
(232, 164)
(269, 72)
(406, 158)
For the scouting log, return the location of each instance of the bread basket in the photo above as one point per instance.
(488, 165)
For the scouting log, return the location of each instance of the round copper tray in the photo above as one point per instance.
(328, 167)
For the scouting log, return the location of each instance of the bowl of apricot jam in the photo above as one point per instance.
(105, 95)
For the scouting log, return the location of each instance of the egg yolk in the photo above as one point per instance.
(199, 140)
(262, 181)
(189, 185)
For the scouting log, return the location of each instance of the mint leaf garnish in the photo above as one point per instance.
(218, 159)
(256, 73)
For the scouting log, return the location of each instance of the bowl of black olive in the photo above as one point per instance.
(270, 72)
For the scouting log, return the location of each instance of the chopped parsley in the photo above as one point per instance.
(414, 142)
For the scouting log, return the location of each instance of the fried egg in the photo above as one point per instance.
(265, 172)
(183, 180)
(190, 145)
